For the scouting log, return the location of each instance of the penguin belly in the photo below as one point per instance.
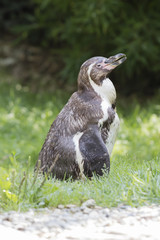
(110, 129)
(112, 133)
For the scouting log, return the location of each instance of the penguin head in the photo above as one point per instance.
(97, 69)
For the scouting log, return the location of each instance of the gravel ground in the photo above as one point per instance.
(88, 222)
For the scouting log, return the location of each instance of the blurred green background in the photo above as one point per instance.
(56, 37)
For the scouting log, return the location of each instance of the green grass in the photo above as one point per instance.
(25, 118)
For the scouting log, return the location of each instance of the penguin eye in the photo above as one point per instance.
(98, 65)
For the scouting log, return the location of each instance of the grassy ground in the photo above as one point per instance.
(25, 118)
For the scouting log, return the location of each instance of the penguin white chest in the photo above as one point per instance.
(112, 134)
(104, 106)
(107, 93)
(113, 128)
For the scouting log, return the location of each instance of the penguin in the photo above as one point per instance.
(83, 134)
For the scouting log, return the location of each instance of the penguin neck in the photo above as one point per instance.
(106, 91)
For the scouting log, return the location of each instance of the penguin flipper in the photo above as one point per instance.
(94, 152)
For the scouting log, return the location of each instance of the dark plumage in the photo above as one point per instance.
(82, 130)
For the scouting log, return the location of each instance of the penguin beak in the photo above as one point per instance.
(114, 61)
(118, 58)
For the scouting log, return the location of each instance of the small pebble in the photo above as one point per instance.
(70, 206)
(87, 210)
(61, 206)
(89, 203)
